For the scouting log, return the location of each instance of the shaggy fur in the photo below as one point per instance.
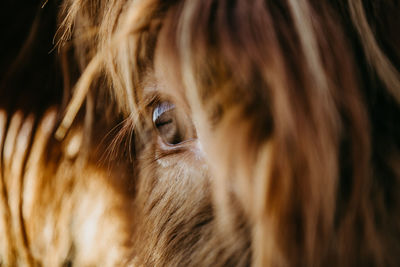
(285, 151)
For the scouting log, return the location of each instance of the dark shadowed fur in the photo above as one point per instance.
(201, 133)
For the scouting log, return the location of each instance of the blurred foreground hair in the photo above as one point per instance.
(260, 133)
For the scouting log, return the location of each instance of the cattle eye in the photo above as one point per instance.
(172, 125)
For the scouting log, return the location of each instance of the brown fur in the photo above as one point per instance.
(292, 108)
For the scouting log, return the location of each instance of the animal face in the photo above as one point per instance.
(210, 133)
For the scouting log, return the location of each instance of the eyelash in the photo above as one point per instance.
(171, 124)
(161, 108)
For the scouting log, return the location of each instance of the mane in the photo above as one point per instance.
(316, 168)
(296, 104)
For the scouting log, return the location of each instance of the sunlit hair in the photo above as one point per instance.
(296, 104)
(311, 92)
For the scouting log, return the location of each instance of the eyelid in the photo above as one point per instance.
(161, 109)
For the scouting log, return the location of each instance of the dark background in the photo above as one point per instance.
(30, 75)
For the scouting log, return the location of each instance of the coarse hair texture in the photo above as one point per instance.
(294, 159)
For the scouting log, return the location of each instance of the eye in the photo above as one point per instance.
(172, 125)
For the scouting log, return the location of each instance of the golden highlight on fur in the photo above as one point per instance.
(200, 133)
